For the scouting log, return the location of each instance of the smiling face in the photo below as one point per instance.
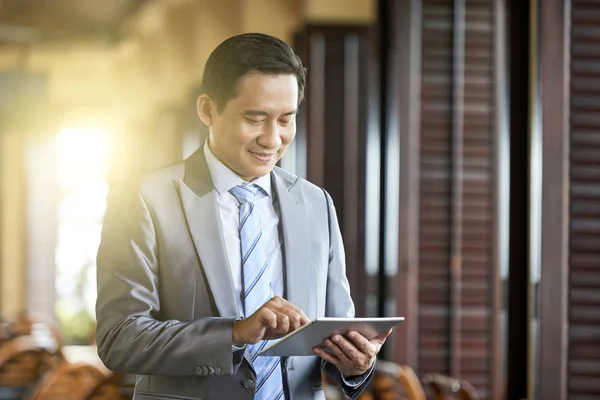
(254, 129)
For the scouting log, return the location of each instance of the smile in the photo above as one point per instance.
(264, 157)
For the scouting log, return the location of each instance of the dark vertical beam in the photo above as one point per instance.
(403, 122)
(315, 137)
(553, 93)
(456, 190)
(385, 27)
(353, 185)
(518, 274)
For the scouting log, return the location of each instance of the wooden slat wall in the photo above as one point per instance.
(456, 336)
(334, 125)
(479, 197)
(434, 238)
(584, 296)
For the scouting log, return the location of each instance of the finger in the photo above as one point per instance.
(382, 336)
(294, 318)
(349, 349)
(326, 356)
(278, 304)
(336, 351)
(282, 305)
(267, 318)
(363, 344)
(303, 318)
(283, 324)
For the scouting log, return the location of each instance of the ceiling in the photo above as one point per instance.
(23, 21)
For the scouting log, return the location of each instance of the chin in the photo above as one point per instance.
(263, 170)
(255, 171)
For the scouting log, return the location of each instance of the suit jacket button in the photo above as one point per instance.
(248, 384)
(217, 370)
(198, 370)
(211, 371)
(204, 371)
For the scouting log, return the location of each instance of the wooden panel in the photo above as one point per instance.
(400, 24)
(551, 88)
(478, 197)
(457, 225)
(435, 188)
(584, 228)
(333, 125)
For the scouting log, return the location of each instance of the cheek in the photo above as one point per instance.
(241, 134)
(288, 135)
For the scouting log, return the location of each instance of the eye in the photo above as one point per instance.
(253, 121)
(286, 121)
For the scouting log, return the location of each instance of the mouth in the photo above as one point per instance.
(263, 157)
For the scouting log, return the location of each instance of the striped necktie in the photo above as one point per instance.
(256, 288)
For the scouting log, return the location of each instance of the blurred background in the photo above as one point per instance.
(460, 140)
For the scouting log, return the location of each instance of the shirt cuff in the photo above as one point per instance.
(355, 381)
(237, 348)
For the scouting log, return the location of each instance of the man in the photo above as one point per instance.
(203, 262)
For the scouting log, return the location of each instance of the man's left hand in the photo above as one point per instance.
(354, 354)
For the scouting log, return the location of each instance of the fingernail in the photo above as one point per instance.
(336, 338)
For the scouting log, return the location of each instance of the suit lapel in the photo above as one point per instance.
(296, 240)
(198, 198)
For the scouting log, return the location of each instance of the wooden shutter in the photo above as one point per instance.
(584, 283)
(435, 183)
(333, 128)
(457, 269)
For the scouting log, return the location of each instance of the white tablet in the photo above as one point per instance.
(302, 341)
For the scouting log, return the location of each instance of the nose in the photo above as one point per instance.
(270, 137)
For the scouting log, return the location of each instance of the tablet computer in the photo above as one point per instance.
(302, 341)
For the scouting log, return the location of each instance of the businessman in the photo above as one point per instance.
(203, 262)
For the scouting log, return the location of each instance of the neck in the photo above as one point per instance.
(216, 154)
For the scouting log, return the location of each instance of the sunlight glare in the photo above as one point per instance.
(82, 156)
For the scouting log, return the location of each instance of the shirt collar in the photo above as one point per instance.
(224, 178)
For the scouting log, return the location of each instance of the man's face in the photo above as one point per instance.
(254, 129)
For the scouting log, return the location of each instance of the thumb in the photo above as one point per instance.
(380, 339)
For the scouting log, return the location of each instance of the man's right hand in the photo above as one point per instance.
(275, 319)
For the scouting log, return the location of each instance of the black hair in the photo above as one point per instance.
(245, 53)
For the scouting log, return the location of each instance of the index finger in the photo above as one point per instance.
(286, 305)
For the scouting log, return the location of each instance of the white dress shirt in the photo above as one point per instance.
(229, 215)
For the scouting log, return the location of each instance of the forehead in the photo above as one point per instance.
(267, 92)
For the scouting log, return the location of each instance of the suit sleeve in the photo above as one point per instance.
(339, 303)
(130, 337)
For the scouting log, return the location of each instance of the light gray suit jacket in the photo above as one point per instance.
(166, 302)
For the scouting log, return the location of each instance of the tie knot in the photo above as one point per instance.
(246, 192)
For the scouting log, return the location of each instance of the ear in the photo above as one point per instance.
(205, 107)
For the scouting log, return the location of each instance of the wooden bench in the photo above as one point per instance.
(446, 388)
(23, 360)
(69, 381)
(396, 382)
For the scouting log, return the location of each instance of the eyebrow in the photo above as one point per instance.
(259, 113)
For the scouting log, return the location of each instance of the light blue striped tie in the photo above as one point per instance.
(257, 289)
